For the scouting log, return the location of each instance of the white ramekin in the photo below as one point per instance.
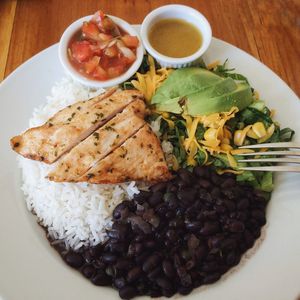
(63, 55)
(178, 12)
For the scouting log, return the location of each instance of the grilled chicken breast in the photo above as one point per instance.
(140, 158)
(99, 144)
(71, 125)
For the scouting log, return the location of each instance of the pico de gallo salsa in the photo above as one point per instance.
(101, 49)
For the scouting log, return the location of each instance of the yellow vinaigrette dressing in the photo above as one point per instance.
(175, 38)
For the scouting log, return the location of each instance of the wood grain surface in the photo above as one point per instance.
(267, 29)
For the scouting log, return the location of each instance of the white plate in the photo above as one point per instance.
(30, 269)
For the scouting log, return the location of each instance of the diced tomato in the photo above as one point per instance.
(115, 71)
(81, 51)
(130, 41)
(111, 51)
(91, 65)
(97, 50)
(90, 30)
(100, 73)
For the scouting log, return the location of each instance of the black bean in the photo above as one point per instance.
(241, 216)
(120, 282)
(121, 211)
(204, 183)
(154, 273)
(187, 194)
(205, 195)
(141, 258)
(249, 238)
(209, 228)
(101, 279)
(168, 293)
(185, 176)
(151, 262)
(259, 216)
(194, 226)
(228, 244)
(200, 252)
(228, 183)
(139, 225)
(232, 258)
(176, 222)
(73, 259)
(134, 274)
(243, 204)
(168, 268)
(109, 258)
(127, 292)
(150, 244)
(184, 290)
(142, 197)
(185, 278)
(215, 192)
(99, 264)
(190, 264)
(171, 235)
(115, 247)
(236, 226)
(229, 193)
(170, 214)
(96, 250)
(201, 171)
(211, 278)
(193, 242)
(88, 271)
(256, 233)
(230, 205)
(214, 242)
(209, 215)
(111, 271)
(123, 263)
(216, 179)
(119, 232)
(210, 266)
(159, 187)
(155, 199)
(164, 283)
(135, 249)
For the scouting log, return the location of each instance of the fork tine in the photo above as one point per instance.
(274, 145)
(273, 168)
(290, 153)
(274, 159)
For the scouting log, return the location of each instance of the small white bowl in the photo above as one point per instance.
(182, 12)
(64, 59)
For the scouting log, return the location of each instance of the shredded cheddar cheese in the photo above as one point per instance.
(148, 83)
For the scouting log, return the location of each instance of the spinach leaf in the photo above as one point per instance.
(286, 134)
(222, 70)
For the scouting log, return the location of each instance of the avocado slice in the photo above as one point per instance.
(184, 81)
(220, 88)
(240, 97)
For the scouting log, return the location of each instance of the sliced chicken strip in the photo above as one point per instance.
(70, 126)
(99, 144)
(140, 158)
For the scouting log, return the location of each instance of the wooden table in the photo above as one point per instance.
(267, 29)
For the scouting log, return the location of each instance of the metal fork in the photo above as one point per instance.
(291, 157)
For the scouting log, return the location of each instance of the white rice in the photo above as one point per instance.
(78, 213)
